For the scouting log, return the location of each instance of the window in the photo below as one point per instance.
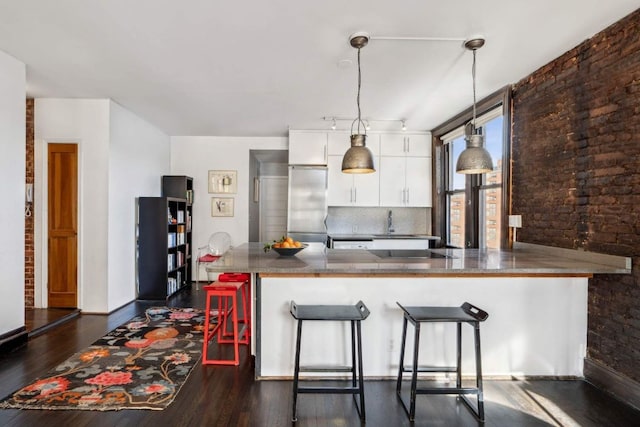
(470, 212)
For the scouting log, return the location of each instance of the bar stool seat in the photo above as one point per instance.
(466, 313)
(227, 295)
(351, 313)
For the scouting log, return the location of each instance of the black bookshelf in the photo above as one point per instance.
(181, 186)
(163, 246)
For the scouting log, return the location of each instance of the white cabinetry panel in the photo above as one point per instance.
(351, 189)
(405, 181)
(307, 148)
(405, 144)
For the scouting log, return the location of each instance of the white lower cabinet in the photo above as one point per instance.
(351, 189)
(405, 181)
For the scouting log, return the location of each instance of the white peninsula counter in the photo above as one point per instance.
(536, 298)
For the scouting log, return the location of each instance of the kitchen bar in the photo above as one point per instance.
(536, 297)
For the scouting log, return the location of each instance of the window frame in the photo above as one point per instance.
(473, 183)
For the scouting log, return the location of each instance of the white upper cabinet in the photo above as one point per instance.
(340, 141)
(405, 181)
(307, 147)
(351, 189)
(392, 179)
(405, 144)
(418, 182)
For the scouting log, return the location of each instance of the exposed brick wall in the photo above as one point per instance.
(29, 262)
(576, 174)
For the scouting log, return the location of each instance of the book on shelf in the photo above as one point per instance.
(172, 239)
(181, 234)
(180, 216)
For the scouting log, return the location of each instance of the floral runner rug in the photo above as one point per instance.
(139, 365)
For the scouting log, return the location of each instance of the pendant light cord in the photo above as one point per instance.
(359, 84)
(473, 74)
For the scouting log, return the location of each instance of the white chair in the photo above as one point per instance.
(218, 244)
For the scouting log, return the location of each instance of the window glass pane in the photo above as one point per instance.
(456, 180)
(456, 227)
(490, 217)
(493, 142)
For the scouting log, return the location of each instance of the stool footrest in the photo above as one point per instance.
(447, 390)
(339, 390)
(431, 369)
(319, 368)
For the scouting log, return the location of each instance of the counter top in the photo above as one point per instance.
(525, 259)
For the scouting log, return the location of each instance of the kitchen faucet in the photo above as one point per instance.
(390, 228)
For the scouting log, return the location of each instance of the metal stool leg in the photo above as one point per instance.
(479, 373)
(296, 371)
(459, 355)
(401, 365)
(414, 374)
(360, 372)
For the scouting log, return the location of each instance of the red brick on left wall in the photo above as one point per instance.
(29, 258)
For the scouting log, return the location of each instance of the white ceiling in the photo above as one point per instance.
(257, 67)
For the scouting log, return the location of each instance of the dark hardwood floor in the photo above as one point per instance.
(40, 320)
(229, 396)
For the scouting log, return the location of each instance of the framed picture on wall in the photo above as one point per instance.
(222, 206)
(223, 182)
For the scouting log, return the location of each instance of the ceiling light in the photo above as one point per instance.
(358, 158)
(333, 124)
(475, 158)
(404, 125)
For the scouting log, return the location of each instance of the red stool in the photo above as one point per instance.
(227, 292)
(246, 294)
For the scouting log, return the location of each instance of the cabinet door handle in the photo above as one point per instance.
(404, 144)
(403, 195)
(407, 196)
(326, 153)
(351, 195)
(408, 144)
(355, 195)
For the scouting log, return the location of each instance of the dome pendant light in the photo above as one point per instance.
(475, 158)
(358, 158)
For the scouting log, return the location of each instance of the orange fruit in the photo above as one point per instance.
(297, 244)
(285, 244)
(276, 245)
(289, 240)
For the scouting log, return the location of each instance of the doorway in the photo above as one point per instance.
(269, 175)
(273, 207)
(62, 225)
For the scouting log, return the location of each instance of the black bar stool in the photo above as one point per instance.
(351, 313)
(466, 313)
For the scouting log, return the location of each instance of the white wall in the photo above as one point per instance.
(120, 157)
(12, 177)
(196, 156)
(85, 122)
(138, 157)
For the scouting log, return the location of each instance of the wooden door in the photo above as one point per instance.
(62, 225)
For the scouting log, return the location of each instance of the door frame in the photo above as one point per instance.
(41, 212)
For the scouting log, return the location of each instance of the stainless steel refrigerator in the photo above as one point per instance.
(307, 207)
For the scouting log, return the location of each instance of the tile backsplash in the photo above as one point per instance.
(348, 220)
